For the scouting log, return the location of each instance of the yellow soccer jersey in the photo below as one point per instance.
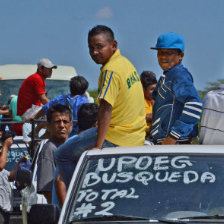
(148, 110)
(119, 85)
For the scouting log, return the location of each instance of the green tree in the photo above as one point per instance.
(94, 94)
(211, 86)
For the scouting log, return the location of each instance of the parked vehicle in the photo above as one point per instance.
(159, 184)
(12, 76)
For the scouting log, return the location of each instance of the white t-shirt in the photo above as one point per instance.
(5, 191)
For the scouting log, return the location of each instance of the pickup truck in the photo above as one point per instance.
(145, 184)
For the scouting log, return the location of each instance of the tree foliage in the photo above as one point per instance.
(94, 94)
(210, 86)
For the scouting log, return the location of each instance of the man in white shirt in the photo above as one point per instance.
(212, 122)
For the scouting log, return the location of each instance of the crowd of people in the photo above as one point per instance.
(131, 110)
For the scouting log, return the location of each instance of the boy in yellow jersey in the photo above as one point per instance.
(121, 111)
(121, 114)
(148, 80)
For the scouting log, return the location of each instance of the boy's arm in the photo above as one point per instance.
(4, 112)
(12, 174)
(185, 93)
(107, 96)
(60, 189)
(44, 108)
(43, 99)
(104, 116)
(38, 115)
(4, 151)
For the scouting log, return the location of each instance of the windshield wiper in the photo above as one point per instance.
(175, 221)
(217, 216)
(126, 218)
(110, 218)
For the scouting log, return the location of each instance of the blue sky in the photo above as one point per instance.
(58, 29)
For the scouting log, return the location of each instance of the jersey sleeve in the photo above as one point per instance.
(109, 87)
(186, 94)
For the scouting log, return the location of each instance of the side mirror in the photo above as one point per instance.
(43, 214)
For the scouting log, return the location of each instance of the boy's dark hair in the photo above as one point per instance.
(178, 51)
(99, 29)
(78, 85)
(63, 109)
(87, 116)
(148, 78)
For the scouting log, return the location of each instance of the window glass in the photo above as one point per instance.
(148, 186)
(53, 88)
(16, 151)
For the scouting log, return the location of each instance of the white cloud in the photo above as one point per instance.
(104, 13)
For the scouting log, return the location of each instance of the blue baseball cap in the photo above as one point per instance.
(170, 41)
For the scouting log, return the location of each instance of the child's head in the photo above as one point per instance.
(78, 85)
(87, 116)
(149, 81)
(170, 47)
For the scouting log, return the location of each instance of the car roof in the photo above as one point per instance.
(160, 149)
(22, 71)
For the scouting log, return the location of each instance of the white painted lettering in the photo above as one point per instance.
(180, 162)
(90, 180)
(143, 162)
(144, 177)
(125, 160)
(187, 174)
(174, 177)
(108, 205)
(120, 194)
(106, 193)
(210, 177)
(108, 181)
(157, 176)
(102, 167)
(132, 194)
(127, 176)
(159, 161)
(92, 196)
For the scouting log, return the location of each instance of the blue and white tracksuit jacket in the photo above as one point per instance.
(177, 107)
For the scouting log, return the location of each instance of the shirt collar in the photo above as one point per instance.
(115, 54)
(172, 69)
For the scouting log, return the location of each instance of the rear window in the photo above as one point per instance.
(53, 88)
(148, 186)
(16, 151)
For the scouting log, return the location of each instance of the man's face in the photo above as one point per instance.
(148, 91)
(168, 58)
(60, 126)
(101, 49)
(46, 72)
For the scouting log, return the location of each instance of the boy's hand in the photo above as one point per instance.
(8, 142)
(169, 141)
(149, 117)
(22, 159)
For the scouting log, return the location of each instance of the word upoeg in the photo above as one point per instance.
(144, 163)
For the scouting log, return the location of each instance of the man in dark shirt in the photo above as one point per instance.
(59, 120)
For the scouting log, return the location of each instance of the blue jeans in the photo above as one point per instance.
(68, 154)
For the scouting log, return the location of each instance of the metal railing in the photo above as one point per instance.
(8, 121)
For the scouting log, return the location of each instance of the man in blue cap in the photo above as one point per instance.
(177, 107)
